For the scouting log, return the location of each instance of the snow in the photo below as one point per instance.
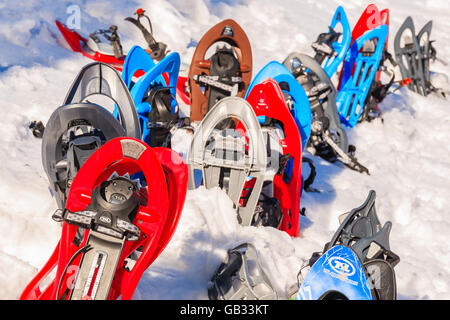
(407, 155)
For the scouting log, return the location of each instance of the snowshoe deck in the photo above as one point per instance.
(226, 73)
(328, 139)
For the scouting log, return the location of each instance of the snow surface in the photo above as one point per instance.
(407, 155)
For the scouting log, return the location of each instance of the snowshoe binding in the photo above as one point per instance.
(101, 45)
(357, 264)
(79, 127)
(241, 277)
(158, 49)
(330, 52)
(125, 226)
(328, 139)
(154, 95)
(226, 73)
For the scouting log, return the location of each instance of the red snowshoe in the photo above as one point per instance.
(268, 102)
(93, 48)
(113, 228)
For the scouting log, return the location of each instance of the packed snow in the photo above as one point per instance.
(407, 155)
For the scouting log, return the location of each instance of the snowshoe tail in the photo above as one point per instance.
(118, 244)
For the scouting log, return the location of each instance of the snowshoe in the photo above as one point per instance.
(357, 264)
(95, 46)
(79, 127)
(158, 50)
(413, 54)
(154, 95)
(330, 52)
(294, 94)
(283, 185)
(226, 73)
(295, 98)
(359, 70)
(370, 19)
(124, 230)
(226, 158)
(328, 139)
(241, 277)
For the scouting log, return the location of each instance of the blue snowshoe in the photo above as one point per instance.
(361, 64)
(330, 52)
(154, 96)
(357, 264)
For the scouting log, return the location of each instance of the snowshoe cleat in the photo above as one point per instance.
(241, 277)
(125, 226)
(359, 71)
(330, 52)
(227, 72)
(79, 127)
(357, 264)
(158, 49)
(413, 54)
(226, 158)
(95, 47)
(328, 139)
(279, 205)
(154, 95)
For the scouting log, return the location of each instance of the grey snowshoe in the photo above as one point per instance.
(78, 128)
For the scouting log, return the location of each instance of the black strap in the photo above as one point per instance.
(312, 176)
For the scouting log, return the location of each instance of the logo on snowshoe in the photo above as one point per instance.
(105, 219)
(228, 31)
(342, 266)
